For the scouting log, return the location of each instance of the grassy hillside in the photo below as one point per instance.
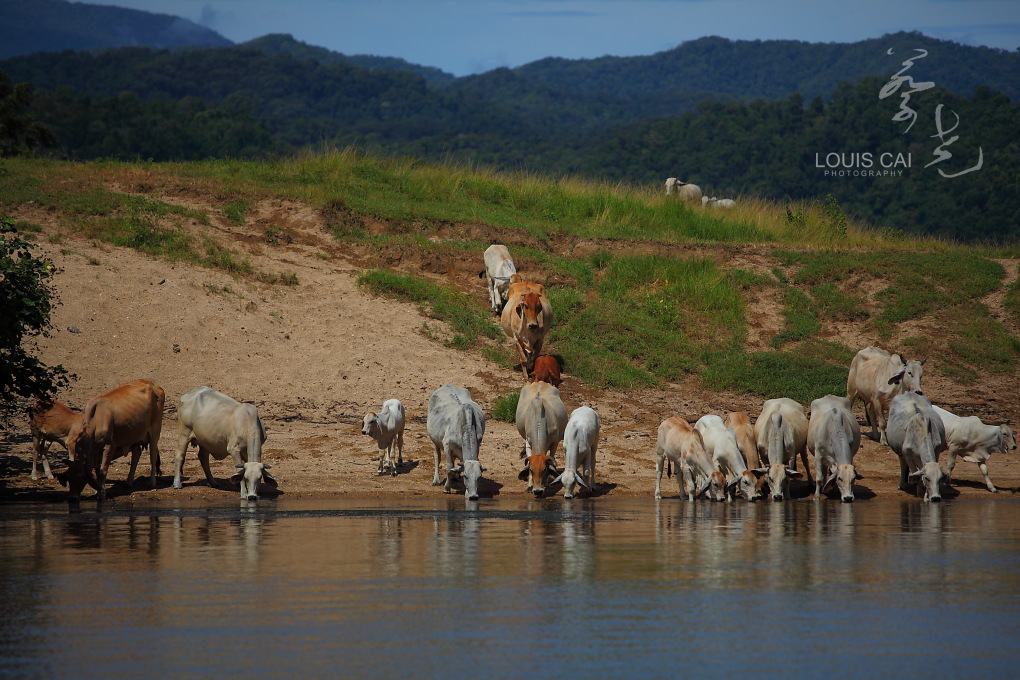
(765, 298)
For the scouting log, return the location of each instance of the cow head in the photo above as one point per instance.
(537, 472)
(778, 477)
(249, 475)
(928, 478)
(1008, 439)
(569, 479)
(471, 472)
(370, 426)
(909, 374)
(844, 477)
(75, 477)
(714, 487)
(529, 308)
(747, 484)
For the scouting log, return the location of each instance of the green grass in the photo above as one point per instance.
(504, 408)
(235, 210)
(1012, 300)
(777, 374)
(801, 318)
(468, 318)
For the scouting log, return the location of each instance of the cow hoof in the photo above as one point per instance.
(178, 485)
(447, 491)
(436, 483)
(393, 472)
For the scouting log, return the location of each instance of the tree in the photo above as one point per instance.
(19, 132)
(26, 301)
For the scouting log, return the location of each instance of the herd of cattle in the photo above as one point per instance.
(717, 458)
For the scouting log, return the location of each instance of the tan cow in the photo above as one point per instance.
(876, 377)
(740, 423)
(127, 418)
(679, 443)
(526, 319)
(50, 422)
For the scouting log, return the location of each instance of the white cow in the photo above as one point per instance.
(877, 377)
(387, 429)
(220, 426)
(681, 444)
(917, 435)
(975, 441)
(541, 420)
(834, 438)
(456, 425)
(780, 434)
(721, 444)
(580, 442)
(499, 267)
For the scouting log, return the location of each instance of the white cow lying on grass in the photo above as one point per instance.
(975, 441)
(387, 429)
(220, 426)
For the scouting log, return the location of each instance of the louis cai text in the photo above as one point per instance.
(862, 159)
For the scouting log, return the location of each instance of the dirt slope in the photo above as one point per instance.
(316, 356)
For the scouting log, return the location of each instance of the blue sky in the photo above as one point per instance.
(471, 36)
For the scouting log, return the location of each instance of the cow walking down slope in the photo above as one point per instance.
(52, 422)
(526, 318)
(220, 426)
(876, 377)
(456, 426)
(127, 418)
(834, 438)
(499, 268)
(541, 420)
(918, 437)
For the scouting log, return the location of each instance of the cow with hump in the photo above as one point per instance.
(126, 418)
(526, 319)
(541, 420)
(976, 442)
(220, 426)
(456, 424)
(679, 443)
(917, 435)
(50, 422)
(834, 438)
(780, 434)
(876, 377)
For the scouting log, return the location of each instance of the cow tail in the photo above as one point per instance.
(255, 437)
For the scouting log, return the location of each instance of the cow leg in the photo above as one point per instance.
(952, 463)
(136, 453)
(203, 458)
(435, 477)
(448, 487)
(685, 479)
(384, 455)
(104, 468)
(658, 473)
(391, 457)
(41, 449)
(183, 439)
(154, 463)
(400, 448)
(903, 474)
(984, 471)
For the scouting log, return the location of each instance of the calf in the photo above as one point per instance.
(547, 369)
(541, 420)
(917, 435)
(220, 426)
(387, 429)
(721, 445)
(679, 443)
(975, 441)
(834, 438)
(127, 418)
(780, 434)
(499, 268)
(580, 442)
(456, 425)
(50, 422)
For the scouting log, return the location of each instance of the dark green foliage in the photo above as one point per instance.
(26, 301)
(796, 375)
(20, 133)
(801, 318)
(505, 408)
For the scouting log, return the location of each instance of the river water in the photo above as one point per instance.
(434, 588)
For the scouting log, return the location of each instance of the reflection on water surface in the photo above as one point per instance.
(605, 587)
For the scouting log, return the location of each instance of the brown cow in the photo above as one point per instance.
(127, 418)
(547, 370)
(526, 318)
(740, 423)
(50, 422)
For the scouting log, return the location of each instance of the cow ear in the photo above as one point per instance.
(924, 360)
(237, 477)
(580, 480)
(915, 475)
(794, 473)
(732, 486)
(523, 474)
(557, 480)
(268, 478)
(830, 480)
(62, 478)
(897, 377)
(481, 274)
(240, 466)
(858, 475)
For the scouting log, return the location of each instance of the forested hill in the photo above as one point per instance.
(773, 69)
(28, 26)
